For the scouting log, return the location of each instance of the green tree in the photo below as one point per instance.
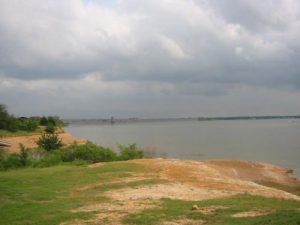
(52, 121)
(44, 121)
(3, 117)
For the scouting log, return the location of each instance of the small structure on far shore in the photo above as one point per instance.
(112, 120)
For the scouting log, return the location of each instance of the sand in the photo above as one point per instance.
(30, 141)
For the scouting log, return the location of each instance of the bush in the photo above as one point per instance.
(130, 152)
(44, 121)
(49, 142)
(50, 159)
(2, 159)
(88, 152)
(12, 161)
(23, 155)
(12, 124)
(15, 160)
(52, 120)
(27, 124)
(50, 129)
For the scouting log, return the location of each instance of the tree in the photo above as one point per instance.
(52, 121)
(3, 116)
(44, 121)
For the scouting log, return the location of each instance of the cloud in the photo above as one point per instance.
(150, 49)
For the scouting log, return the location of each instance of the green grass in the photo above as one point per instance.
(42, 196)
(284, 212)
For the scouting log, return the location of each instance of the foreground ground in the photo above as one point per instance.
(156, 191)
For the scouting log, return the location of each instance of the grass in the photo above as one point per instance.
(282, 211)
(42, 196)
(35, 196)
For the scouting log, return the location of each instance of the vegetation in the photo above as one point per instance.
(28, 196)
(130, 152)
(281, 211)
(10, 123)
(51, 152)
(52, 121)
(50, 129)
(49, 142)
(89, 152)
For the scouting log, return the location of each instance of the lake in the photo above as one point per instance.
(275, 141)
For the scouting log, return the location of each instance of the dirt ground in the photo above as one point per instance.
(30, 141)
(188, 180)
(197, 180)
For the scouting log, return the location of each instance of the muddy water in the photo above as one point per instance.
(274, 141)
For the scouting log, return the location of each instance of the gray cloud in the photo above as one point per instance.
(154, 49)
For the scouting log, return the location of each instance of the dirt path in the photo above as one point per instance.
(30, 141)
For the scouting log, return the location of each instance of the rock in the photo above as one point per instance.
(195, 207)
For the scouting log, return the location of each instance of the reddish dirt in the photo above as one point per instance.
(215, 177)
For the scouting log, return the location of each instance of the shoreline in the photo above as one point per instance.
(243, 169)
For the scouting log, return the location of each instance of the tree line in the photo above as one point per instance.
(12, 123)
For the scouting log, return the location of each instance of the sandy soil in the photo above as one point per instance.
(228, 175)
(251, 214)
(30, 141)
(186, 180)
(190, 179)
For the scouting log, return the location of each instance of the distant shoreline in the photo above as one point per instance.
(132, 120)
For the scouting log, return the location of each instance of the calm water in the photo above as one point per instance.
(274, 141)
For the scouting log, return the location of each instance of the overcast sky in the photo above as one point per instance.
(150, 58)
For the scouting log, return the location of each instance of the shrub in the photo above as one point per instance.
(28, 124)
(50, 129)
(44, 121)
(12, 124)
(49, 142)
(130, 152)
(2, 159)
(50, 159)
(51, 121)
(88, 152)
(12, 161)
(23, 156)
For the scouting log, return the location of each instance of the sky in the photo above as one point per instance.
(150, 58)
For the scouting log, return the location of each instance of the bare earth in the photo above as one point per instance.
(30, 141)
(197, 180)
(187, 180)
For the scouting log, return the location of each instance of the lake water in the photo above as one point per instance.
(274, 141)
